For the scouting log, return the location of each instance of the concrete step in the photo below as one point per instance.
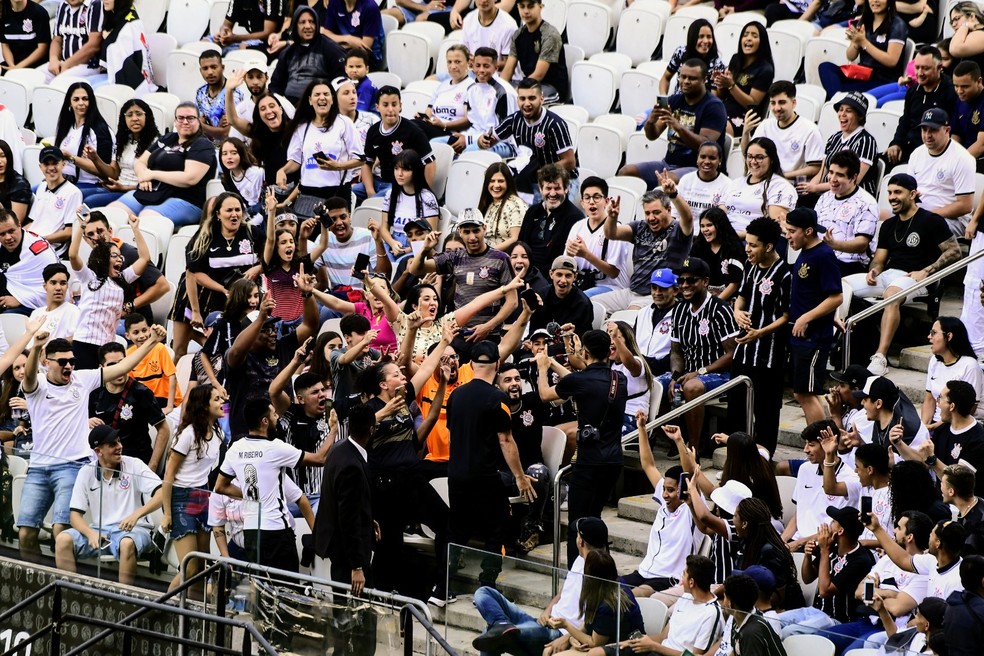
(463, 614)
(543, 555)
(916, 358)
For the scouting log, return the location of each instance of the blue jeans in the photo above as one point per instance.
(496, 609)
(48, 487)
(597, 289)
(181, 212)
(810, 620)
(140, 536)
(888, 92)
(360, 190)
(100, 197)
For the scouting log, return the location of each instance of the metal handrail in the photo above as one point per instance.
(632, 436)
(875, 308)
(394, 601)
(429, 627)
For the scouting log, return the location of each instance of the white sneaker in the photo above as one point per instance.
(878, 365)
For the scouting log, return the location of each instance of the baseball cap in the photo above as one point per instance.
(849, 518)
(879, 388)
(593, 531)
(935, 118)
(728, 496)
(855, 376)
(470, 216)
(694, 265)
(564, 262)
(664, 278)
(855, 100)
(764, 579)
(50, 152)
(255, 314)
(485, 352)
(804, 217)
(903, 180)
(102, 434)
(420, 224)
(540, 332)
(933, 609)
(212, 318)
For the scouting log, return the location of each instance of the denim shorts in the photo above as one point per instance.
(48, 488)
(180, 211)
(189, 511)
(140, 536)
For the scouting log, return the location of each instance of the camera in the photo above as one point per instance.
(588, 434)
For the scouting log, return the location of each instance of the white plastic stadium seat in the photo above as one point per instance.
(618, 61)
(808, 645)
(151, 12)
(639, 32)
(408, 55)
(589, 25)
(555, 13)
(881, 124)
(183, 76)
(189, 20)
(464, 186)
(601, 146)
(160, 45)
(47, 104)
(594, 86)
(822, 49)
(653, 615)
(32, 156)
(675, 33)
(641, 149)
(726, 35)
(789, 47)
(16, 97)
(637, 91)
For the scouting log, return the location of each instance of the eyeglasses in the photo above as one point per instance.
(115, 256)
(756, 158)
(134, 115)
(65, 362)
(595, 198)
(688, 281)
(185, 119)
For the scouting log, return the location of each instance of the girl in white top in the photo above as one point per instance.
(241, 175)
(408, 198)
(627, 358)
(80, 125)
(953, 359)
(707, 186)
(763, 192)
(106, 291)
(135, 132)
(194, 454)
(324, 147)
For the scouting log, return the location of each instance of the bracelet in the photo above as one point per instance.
(830, 464)
(673, 196)
(307, 294)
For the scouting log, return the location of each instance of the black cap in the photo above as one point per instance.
(694, 265)
(102, 434)
(933, 609)
(855, 376)
(904, 180)
(420, 224)
(50, 152)
(593, 531)
(855, 100)
(804, 217)
(879, 388)
(849, 518)
(934, 118)
(485, 352)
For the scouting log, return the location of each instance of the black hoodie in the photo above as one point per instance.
(964, 623)
(305, 61)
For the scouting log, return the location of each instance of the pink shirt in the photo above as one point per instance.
(386, 339)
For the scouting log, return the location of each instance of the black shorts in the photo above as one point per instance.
(809, 368)
(658, 584)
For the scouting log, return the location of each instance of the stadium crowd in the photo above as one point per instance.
(337, 366)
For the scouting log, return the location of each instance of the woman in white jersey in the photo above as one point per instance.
(953, 359)
(627, 358)
(194, 454)
(763, 191)
(107, 293)
(707, 186)
(447, 112)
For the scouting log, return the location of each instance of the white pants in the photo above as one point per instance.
(857, 285)
(622, 299)
(972, 313)
(80, 71)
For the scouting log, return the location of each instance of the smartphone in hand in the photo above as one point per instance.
(361, 264)
(530, 296)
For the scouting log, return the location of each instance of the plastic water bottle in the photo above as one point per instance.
(240, 595)
(678, 396)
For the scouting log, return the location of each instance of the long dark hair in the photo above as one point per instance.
(775, 167)
(10, 174)
(690, 50)
(66, 116)
(10, 387)
(320, 364)
(196, 415)
(959, 344)
(764, 52)
(759, 531)
(304, 113)
(146, 137)
(868, 17)
(911, 487)
(726, 235)
(600, 585)
(237, 302)
(119, 15)
(746, 465)
(413, 297)
(99, 262)
(485, 200)
(408, 159)
(246, 160)
(262, 138)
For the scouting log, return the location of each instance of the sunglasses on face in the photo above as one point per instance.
(688, 281)
(65, 362)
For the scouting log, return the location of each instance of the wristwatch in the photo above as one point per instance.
(702, 371)
(931, 461)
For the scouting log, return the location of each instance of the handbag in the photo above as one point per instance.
(857, 72)
(305, 205)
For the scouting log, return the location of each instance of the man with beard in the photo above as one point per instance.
(932, 89)
(257, 356)
(529, 416)
(303, 422)
(22, 260)
(150, 286)
(548, 223)
(345, 244)
(660, 243)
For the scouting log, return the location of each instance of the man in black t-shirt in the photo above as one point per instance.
(836, 558)
(387, 139)
(600, 395)
(257, 356)
(535, 43)
(912, 244)
(480, 426)
(130, 408)
(960, 438)
(25, 34)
